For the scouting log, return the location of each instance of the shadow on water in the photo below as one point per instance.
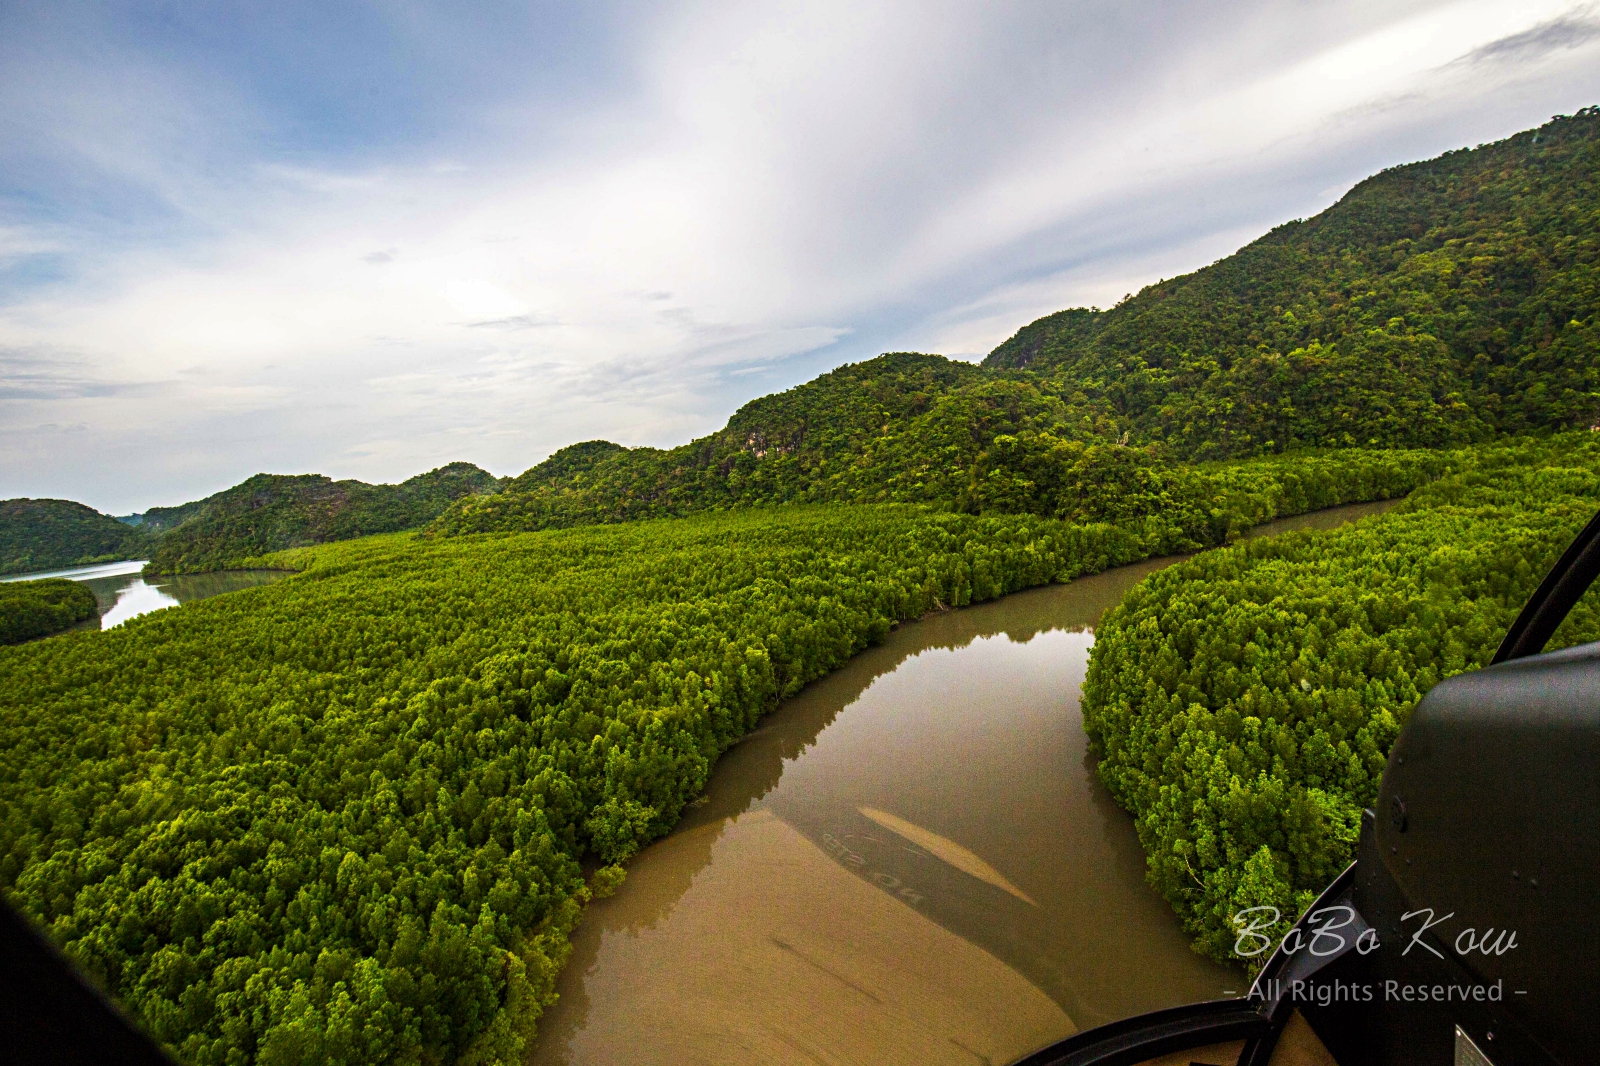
(850, 883)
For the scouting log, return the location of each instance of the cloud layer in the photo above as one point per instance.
(367, 245)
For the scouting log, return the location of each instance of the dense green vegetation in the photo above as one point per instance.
(1437, 304)
(338, 819)
(895, 428)
(53, 534)
(31, 609)
(886, 451)
(1244, 702)
(158, 520)
(271, 512)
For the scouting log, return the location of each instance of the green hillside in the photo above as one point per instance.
(52, 534)
(899, 427)
(158, 520)
(1437, 304)
(903, 428)
(270, 512)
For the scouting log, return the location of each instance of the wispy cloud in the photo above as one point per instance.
(1571, 30)
(514, 322)
(42, 376)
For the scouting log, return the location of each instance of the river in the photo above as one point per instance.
(123, 593)
(911, 861)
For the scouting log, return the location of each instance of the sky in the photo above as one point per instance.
(365, 240)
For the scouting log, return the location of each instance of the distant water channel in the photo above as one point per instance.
(123, 593)
(912, 861)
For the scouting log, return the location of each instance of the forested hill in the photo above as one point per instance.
(899, 427)
(270, 512)
(51, 534)
(1437, 304)
(1433, 303)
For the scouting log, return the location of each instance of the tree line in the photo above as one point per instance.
(1243, 703)
(30, 609)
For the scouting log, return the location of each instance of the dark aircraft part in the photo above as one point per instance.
(51, 1016)
(1498, 773)
(1136, 1040)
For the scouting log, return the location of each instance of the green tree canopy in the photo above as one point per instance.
(55, 534)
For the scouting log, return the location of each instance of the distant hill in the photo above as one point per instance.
(1436, 304)
(158, 520)
(899, 427)
(53, 534)
(270, 512)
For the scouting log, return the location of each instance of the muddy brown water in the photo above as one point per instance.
(912, 861)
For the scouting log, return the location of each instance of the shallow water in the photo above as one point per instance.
(910, 861)
(123, 593)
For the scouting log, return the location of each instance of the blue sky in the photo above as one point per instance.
(365, 240)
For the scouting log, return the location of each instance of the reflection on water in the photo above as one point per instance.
(122, 593)
(1333, 516)
(85, 573)
(911, 861)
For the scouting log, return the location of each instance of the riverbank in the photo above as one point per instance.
(911, 860)
(1246, 702)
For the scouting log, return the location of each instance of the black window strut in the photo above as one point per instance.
(1557, 594)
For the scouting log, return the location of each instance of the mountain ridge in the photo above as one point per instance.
(1477, 273)
(271, 512)
(1437, 304)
